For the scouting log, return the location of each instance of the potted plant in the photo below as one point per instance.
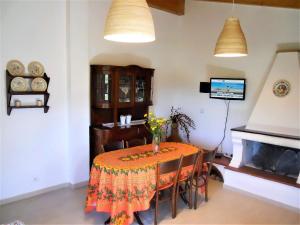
(180, 120)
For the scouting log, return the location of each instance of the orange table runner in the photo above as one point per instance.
(123, 181)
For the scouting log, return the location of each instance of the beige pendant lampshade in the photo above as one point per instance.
(232, 41)
(129, 21)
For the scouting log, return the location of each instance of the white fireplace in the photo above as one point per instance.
(275, 121)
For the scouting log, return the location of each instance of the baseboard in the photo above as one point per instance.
(280, 204)
(43, 191)
(34, 193)
(80, 184)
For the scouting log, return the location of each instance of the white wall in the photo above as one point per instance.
(182, 56)
(34, 144)
(1, 106)
(78, 92)
(285, 111)
(264, 27)
(68, 39)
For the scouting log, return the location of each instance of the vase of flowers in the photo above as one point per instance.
(157, 128)
(156, 144)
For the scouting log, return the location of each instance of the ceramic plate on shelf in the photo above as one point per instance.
(38, 84)
(18, 84)
(36, 69)
(15, 67)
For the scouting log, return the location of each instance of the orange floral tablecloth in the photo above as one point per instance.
(123, 181)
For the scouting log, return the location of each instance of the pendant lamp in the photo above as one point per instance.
(232, 41)
(129, 21)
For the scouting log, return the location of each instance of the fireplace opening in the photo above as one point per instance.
(279, 160)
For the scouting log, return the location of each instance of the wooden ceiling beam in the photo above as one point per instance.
(295, 4)
(171, 6)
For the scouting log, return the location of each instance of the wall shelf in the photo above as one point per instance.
(11, 93)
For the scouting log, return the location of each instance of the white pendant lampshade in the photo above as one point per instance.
(232, 41)
(129, 21)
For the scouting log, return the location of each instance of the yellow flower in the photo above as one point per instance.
(146, 115)
(125, 159)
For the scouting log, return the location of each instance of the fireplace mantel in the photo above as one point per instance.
(244, 129)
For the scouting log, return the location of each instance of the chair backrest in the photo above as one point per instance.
(168, 167)
(194, 160)
(113, 146)
(136, 142)
(209, 158)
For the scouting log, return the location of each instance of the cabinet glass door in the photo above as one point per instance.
(125, 89)
(140, 84)
(103, 88)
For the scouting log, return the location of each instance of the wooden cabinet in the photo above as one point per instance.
(115, 91)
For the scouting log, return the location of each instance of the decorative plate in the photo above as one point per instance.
(38, 84)
(36, 69)
(15, 67)
(19, 84)
(281, 88)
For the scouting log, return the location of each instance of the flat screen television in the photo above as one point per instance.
(227, 88)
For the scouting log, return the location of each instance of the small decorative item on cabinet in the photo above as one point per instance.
(38, 87)
(39, 102)
(128, 119)
(122, 120)
(17, 103)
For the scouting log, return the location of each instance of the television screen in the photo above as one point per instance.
(227, 88)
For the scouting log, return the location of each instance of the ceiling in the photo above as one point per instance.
(177, 6)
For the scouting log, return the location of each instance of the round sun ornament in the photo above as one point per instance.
(281, 88)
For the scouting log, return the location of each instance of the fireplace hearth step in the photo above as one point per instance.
(266, 175)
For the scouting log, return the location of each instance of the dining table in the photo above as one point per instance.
(123, 182)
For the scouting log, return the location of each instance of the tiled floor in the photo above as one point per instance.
(225, 206)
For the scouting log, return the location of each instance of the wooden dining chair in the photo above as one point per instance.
(191, 163)
(136, 142)
(170, 170)
(111, 146)
(201, 177)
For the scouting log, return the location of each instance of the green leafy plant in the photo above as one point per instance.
(185, 123)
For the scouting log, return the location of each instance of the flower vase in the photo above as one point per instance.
(156, 144)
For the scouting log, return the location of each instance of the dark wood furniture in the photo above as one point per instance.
(164, 168)
(113, 146)
(115, 91)
(176, 166)
(10, 93)
(194, 160)
(201, 177)
(136, 142)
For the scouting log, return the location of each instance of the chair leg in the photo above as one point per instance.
(137, 218)
(174, 202)
(156, 208)
(206, 190)
(190, 194)
(196, 194)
